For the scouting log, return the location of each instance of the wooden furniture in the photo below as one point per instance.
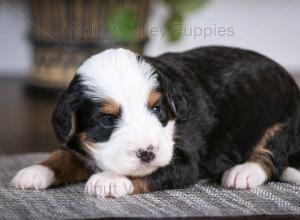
(65, 32)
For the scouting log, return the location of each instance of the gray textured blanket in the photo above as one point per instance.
(204, 199)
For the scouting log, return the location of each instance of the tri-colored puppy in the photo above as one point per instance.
(134, 124)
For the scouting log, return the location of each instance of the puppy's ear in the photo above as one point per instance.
(64, 116)
(177, 96)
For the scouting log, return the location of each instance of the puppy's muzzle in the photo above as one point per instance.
(146, 155)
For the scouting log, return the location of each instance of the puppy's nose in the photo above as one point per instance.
(145, 155)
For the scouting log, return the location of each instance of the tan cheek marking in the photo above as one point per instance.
(153, 98)
(261, 154)
(140, 185)
(84, 139)
(110, 107)
(82, 136)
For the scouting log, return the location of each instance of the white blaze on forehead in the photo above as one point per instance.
(118, 74)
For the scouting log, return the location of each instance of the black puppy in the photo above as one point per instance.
(134, 124)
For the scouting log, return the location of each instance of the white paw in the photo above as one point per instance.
(107, 184)
(245, 176)
(291, 175)
(34, 177)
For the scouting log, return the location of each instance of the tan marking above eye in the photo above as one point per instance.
(110, 107)
(154, 96)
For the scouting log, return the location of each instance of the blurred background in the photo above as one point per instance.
(42, 42)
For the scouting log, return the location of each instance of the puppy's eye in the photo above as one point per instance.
(107, 121)
(155, 109)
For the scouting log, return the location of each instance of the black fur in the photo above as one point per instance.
(68, 103)
(224, 99)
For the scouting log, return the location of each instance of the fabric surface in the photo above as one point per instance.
(203, 199)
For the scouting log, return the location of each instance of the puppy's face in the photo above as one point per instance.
(130, 137)
(123, 119)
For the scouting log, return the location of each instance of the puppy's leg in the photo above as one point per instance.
(291, 175)
(244, 176)
(180, 173)
(109, 184)
(62, 166)
(268, 159)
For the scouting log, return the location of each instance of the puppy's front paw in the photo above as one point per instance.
(107, 184)
(34, 177)
(245, 176)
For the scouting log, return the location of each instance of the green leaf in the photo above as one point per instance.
(185, 6)
(123, 23)
(178, 9)
(174, 27)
